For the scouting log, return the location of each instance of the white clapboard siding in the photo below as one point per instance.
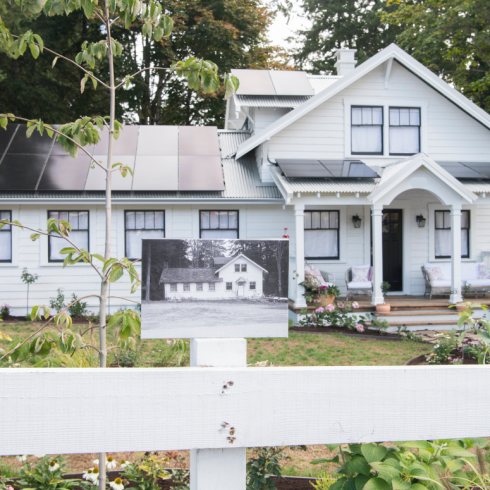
(93, 410)
(451, 133)
(263, 116)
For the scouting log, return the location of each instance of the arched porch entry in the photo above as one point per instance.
(419, 173)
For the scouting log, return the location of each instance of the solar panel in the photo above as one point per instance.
(198, 140)
(360, 169)
(291, 83)
(21, 172)
(254, 82)
(35, 145)
(96, 178)
(302, 168)
(6, 136)
(156, 173)
(482, 168)
(460, 171)
(63, 172)
(124, 145)
(201, 173)
(158, 140)
(336, 167)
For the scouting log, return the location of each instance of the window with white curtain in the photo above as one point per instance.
(404, 131)
(6, 238)
(218, 224)
(321, 234)
(139, 225)
(442, 235)
(79, 233)
(367, 130)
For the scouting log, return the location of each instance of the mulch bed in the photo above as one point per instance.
(420, 360)
(373, 334)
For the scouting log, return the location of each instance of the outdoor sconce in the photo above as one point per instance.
(420, 221)
(357, 221)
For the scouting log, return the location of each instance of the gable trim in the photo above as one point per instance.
(391, 52)
(236, 258)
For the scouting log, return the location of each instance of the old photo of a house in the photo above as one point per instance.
(214, 288)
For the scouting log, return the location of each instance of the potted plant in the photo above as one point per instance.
(384, 308)
(318, 295)
(465, 290)
(329, 295)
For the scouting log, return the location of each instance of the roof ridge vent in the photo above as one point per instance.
(346, 61)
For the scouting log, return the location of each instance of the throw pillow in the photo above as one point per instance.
(483, 271)
(435, 273)
(360, 275)
(370, 275)
(315, 273)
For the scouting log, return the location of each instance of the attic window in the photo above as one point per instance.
(367, 130)
(404, 131)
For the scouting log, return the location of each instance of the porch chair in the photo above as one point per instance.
(359, 287)
(324, 278)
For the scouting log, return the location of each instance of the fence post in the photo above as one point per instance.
(216, 469)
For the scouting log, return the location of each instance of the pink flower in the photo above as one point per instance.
(319, 310)
(355, 304)
(455, 360)
(340, 304)
(169, 342)
(316, 301)
(324, 287)
(359, 328)
(330, 307)
(449, 358)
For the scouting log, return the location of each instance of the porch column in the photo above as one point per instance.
(299, 217)
(377, 214)
(456, 255)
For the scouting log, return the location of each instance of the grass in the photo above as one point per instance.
(299, 349)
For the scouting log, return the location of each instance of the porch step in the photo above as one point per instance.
(417, 317)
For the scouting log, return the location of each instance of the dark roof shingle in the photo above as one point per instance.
(189, 275)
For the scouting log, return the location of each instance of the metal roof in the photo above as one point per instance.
(279, 101)
(321, 82)
(242, 181)
(479, 186)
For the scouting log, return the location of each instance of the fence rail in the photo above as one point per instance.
(112, 410)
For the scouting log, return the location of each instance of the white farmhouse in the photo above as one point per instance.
(382, 165)
(231, 278)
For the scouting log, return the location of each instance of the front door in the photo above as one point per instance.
(392, 249)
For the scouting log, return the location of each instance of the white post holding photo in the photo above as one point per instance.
(215, 469)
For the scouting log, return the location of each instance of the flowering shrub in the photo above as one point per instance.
(335, 315)
(45, 474)
(4, 311)
(146, 472)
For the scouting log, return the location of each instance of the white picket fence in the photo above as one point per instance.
(60, 411)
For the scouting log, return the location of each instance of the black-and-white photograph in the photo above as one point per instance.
(214, 288)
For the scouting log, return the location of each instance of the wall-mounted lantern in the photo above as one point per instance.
(420, 221)
(356, 221)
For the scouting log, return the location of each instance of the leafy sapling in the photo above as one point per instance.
(28, 279)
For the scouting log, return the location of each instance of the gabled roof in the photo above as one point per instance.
(189, 275)
(396, 173)
(390, 52)
(236, 258)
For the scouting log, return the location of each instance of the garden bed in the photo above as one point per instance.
(421, 360)
(372, 334)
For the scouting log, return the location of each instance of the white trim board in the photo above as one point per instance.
(389, 53)
(298, 405)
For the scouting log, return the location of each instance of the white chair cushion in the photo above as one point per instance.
(469, 271)
(446, 268)
(441, 284)
(360, 285)
(479, 282)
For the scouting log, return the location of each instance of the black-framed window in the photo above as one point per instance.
(187, 286)
(366, 130)
(173, 286)
(237, 267)
(218, 224)
(80, 232)
(322, 234)
(244, 267)
(404, 130)
(252, 285)
(212, 286)
(442, 234)
(139, 225)
(199, 286)
(6, 238)
(229, 286)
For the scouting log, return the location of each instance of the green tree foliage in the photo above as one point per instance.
(342, 24)
(451, 37)
(230, 34)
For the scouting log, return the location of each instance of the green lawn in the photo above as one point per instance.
(297, 350)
